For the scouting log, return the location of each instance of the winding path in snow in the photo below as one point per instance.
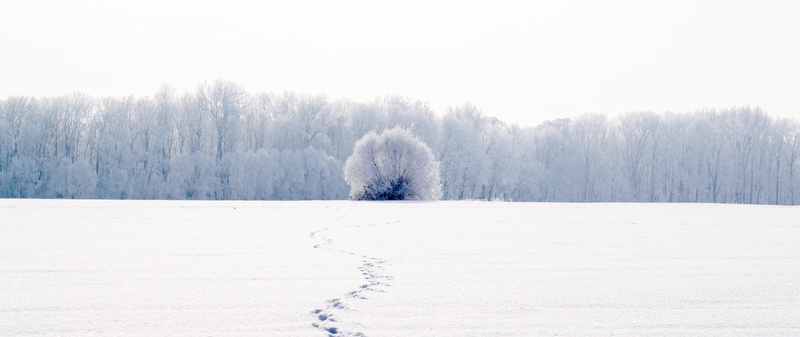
(375, 277)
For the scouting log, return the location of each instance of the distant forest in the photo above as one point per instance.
(221, 142)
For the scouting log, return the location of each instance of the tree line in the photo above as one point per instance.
(221, 142)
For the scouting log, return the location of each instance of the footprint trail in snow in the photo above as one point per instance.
(376, 280)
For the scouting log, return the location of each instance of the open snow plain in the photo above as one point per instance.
(341, 268)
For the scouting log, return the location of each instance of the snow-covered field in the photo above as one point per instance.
(178, 268)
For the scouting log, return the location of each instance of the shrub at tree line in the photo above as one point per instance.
(393, 165)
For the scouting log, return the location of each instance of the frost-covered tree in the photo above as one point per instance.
(22, 178)
(223, 104)
(637, 131)
(589, 135)
(554, 156)
(110, 143)
(72, 180)
(393, 165)
(309, 174)
(465, 165)
(192, 176)
(250, 175)
(300, 121)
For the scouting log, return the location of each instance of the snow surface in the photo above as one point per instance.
(343, 268)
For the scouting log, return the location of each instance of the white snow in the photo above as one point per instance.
(188, 268)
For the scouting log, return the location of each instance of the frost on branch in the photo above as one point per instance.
(393, 165)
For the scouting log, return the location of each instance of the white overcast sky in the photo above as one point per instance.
(522, 61)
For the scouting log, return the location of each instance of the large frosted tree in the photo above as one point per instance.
(393, 165)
